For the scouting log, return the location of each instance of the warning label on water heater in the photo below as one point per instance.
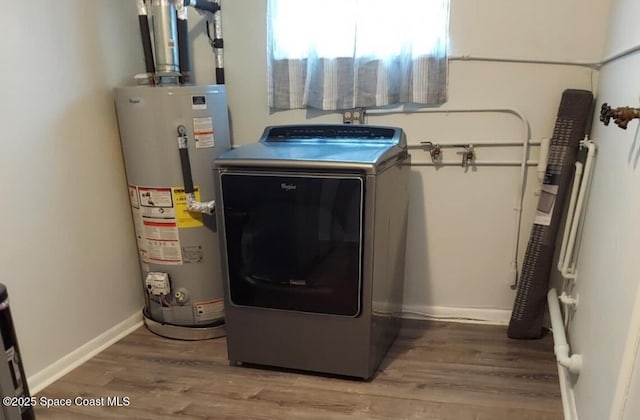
(155, 224)
(203, 132)
(199, 102)
(137, 223)
(184, 218)
(209, 310)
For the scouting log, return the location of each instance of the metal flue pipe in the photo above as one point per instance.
(163, 13)
(170, 55)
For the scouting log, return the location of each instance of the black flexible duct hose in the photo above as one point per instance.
(145, 35)
(186, 171)
(185, 163)
(183, 51)
(218, 46)
(220, 76)
(206, 6)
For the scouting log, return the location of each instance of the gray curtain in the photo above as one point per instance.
(416, 72)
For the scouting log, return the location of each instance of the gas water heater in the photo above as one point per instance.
(171, 131)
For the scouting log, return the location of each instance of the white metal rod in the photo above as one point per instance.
(560, 345)
(523, 183)
(523, 164)
(570, 215)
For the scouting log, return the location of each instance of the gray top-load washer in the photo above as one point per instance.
(312, 224)
(341, 147)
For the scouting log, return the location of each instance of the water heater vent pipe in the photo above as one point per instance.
(165, 24)
(165, 36)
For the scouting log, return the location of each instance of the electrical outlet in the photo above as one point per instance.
(353, 116)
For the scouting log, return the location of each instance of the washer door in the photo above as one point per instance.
(293, 241)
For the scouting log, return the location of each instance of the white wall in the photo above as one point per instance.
(632, 409)
(607, 270)
(461, 224)
(67, 253)
(68, 256)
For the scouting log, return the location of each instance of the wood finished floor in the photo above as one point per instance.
(433, 371)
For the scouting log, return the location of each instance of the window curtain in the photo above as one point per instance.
(342, 54)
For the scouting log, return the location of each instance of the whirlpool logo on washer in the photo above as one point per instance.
(288, 187)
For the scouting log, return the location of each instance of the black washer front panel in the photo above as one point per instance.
(294, 242)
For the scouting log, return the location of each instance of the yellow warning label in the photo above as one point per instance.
(185, 219)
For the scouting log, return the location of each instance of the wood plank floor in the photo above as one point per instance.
(433, 371)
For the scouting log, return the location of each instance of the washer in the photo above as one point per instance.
(312, 224)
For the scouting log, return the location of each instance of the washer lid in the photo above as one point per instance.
(360, 147)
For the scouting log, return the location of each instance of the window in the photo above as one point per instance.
(341, 54)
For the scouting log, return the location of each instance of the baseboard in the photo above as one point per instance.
(566, 391)
(457, 314)
(40, 380)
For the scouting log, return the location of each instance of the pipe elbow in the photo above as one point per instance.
(573, 363)
(194, 206)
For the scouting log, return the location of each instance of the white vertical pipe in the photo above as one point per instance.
(563, 393)
(521, 189)
(568, 402)
(568, 268)
(570, 215)
(560, 345)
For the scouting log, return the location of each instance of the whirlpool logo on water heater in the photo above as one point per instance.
(288, 187)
